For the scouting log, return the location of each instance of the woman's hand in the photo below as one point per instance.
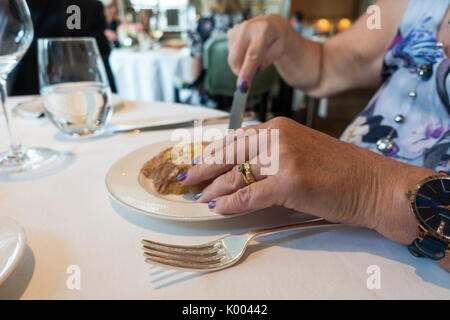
(348, 60)
(317, 174)
(256, 44)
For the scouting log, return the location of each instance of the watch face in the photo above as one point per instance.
(432, 205)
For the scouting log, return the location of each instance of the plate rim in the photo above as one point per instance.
(22, 245)
(153, 214)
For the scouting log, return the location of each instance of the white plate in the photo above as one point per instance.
(33, 108)
(127, 186)
(12, 245)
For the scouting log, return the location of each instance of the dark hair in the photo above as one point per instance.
(299, 15)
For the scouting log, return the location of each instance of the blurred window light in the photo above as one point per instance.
(168, 15)
(344, 24)
(143, 4)
(324, 26)
(106, 2)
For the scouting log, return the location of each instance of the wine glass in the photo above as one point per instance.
(75, 88)
(157, 34)
(16, 36)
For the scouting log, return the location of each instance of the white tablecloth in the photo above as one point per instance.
(71, 221)
(148, 75)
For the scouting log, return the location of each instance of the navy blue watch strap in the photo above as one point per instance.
(428, 247)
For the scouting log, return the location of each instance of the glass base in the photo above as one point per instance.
(27, 159)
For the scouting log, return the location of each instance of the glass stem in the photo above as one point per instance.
(16, 146)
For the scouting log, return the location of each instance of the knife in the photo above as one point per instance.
(237, 109)
(190, 123)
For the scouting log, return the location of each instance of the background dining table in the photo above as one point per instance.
(148, 75)
(70, 220)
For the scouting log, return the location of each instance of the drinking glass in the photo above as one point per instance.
(157, 34)
(75, 88)
(16, 36)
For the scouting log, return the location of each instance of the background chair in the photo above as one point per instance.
(220, 81)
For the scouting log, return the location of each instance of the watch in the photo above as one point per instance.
(430, 204)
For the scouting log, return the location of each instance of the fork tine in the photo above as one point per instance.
(201, 249)
(167, 263)
(183, 257)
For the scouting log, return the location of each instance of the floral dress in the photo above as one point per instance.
(412, 106)
(210, 25)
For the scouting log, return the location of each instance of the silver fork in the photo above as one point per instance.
(215, 255)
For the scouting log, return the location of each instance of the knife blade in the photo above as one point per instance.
(237, 109)
(190, 123)
(170, 126)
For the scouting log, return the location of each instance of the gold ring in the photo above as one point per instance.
(247, 173)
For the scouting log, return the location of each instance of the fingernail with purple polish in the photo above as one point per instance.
(182, 176)
(212, 204)
(197, 196)
(197, 160)
(243, 86)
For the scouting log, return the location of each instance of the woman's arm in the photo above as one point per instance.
(197, 67)
(311, 173)
(350, 59)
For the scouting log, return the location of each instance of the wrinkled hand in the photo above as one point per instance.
(256, 44)
(317, 174)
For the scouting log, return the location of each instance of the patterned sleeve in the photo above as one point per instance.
(196, 44)
(200, 34)
(438, 157)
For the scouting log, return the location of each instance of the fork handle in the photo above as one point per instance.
(309, 224)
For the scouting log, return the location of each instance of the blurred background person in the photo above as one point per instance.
(144, 17)
(112, 21)
(218, 17)
(297, 21)
(50, 20)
